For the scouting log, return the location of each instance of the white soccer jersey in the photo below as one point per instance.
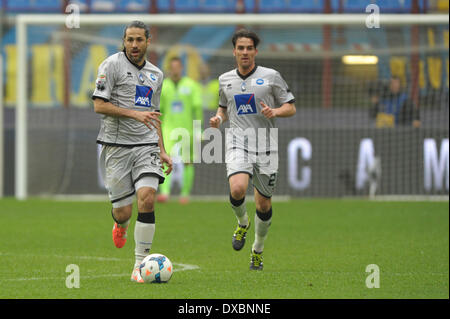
(122, 83)
(241, 95)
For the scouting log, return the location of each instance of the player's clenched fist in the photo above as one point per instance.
(267, 111)
(214, 121)
(167, 161)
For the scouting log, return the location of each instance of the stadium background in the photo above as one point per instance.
(321, 147)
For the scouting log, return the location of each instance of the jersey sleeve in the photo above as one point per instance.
(281, 91)
(156, 98)
(105, 80)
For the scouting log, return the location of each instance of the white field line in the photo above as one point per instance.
(177, 267)
(193, 267)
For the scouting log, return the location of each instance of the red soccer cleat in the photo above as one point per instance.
(119, 235)
(162, 198)
(184, 200)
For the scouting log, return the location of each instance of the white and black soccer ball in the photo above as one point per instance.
(156, 268)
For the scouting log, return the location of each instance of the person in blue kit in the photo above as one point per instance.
(392, 107)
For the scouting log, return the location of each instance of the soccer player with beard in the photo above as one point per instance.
(127, 94)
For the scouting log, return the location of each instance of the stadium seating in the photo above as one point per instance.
(269, 6)
(355, 6)
(386, 6)
(103, 6)
(284, 6)
(249, 6)
(82, 5)
(163, 6)
(218, 6)
(186, 6)
(136, 6)
(309, 6)
(395, 6)
(28, 6)
(215, 6)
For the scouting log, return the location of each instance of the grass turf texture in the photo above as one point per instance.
(315, 249)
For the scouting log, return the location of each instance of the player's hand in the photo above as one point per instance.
(149, 118)
(268, 112)
(214, 122)
(165, 159)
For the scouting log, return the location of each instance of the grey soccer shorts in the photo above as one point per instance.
(263, 168)
(126, 169)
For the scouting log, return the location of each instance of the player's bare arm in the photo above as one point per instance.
(148, 118)
(220, 117)
(285, 110)
(165, 158)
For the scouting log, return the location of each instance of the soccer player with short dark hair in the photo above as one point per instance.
(251, 97)
(127, 94)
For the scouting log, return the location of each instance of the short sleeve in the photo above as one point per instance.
(156, 98)
(105, 80)
(281, 91)
(222, 97)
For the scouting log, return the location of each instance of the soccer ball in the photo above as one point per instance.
(156, 268)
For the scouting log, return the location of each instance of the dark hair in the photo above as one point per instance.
(139, 25)
(244, 33)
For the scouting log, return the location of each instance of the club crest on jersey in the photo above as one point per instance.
(143, 96)
(141, 78)
(245, 104)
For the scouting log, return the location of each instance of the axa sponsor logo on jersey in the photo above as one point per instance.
(245, 104)
(143, 96)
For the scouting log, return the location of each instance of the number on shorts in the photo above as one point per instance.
(272, 179)
(154, 159)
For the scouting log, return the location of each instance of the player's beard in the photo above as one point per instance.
(139, 58)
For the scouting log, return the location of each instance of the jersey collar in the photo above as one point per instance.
(137, 66)
(244, 77)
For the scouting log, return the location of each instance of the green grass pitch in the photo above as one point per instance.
(315, 249)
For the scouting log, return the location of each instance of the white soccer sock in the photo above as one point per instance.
(143, 237)
(261, 230)
(241, 214)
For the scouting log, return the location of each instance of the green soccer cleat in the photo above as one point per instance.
(239, 236)
(256, 262)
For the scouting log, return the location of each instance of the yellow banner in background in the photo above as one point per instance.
(11, 62)
(96, 55)
(47, 74)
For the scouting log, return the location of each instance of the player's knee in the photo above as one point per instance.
(263, 205)
(238, 185)
(122, 214)
(238, 191)
(146, 199)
